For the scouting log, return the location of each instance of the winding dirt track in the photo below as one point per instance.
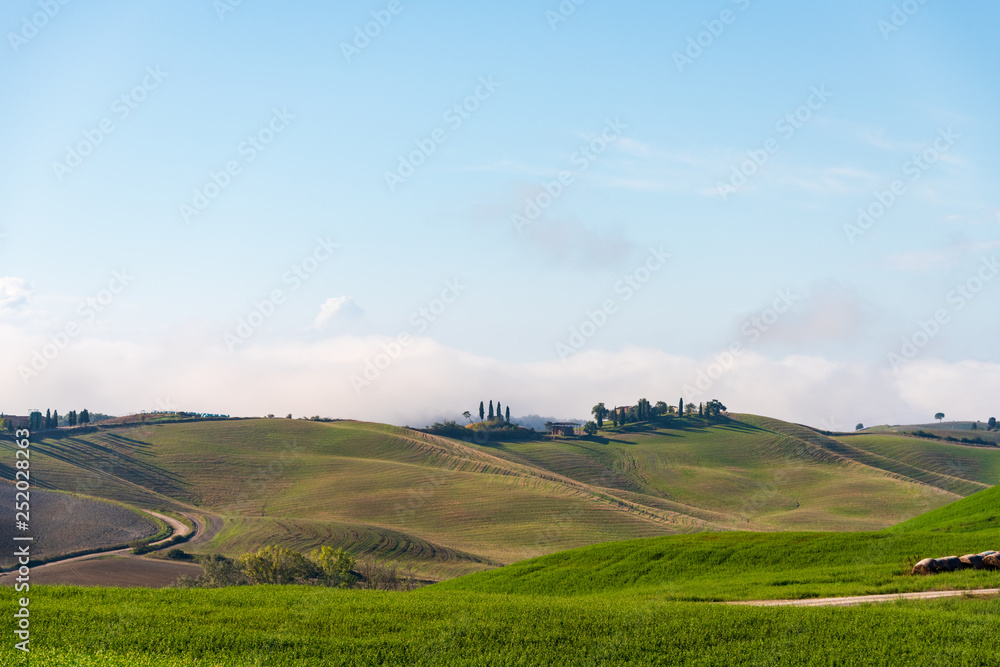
(868, 599)
(137, 570)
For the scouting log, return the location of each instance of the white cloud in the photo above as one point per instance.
(953, 254)
(14, 292)
(425, 381)
(337, 309)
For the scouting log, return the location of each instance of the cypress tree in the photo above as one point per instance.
(507, 414)
(491, 410)
(482, 412)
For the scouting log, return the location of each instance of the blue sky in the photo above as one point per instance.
(186, 89)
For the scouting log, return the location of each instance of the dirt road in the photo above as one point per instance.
(119, 567)
(868, 599)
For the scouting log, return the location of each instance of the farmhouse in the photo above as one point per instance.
(562, 428)
(15, 421)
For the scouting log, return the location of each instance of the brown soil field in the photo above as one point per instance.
(61, 523)
(111, 571)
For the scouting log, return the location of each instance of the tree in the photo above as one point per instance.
(85, 416)
(35, 421)
(661, 408)
(939, 416)
(55, 419)
(975, 426)
(467, 415)
(689, 409)
(507, 414)
(499, 412)
(71, 418)
(590, 428)
(491, 410)
(481, 412)
(276, 565)
(335, 565)
(992, 425)
(680, 408)
(614, 416)
(859, 427)
(599, 412)
(701, 409)
(642, 410)
(714, 408)
(48, 419)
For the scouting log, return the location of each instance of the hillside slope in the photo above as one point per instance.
(745, 566)
(447, 507)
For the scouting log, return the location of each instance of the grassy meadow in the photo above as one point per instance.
(446, 508)
(277, 627)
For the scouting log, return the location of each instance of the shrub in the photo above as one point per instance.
(335, 566)
(277, 565)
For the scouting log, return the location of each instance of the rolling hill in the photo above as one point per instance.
(746, 566)
(446, 507)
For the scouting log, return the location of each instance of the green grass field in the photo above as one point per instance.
(448, 508)
(308, 627)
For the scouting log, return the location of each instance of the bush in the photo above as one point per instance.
(220, 571)
(179, 554)
(335, 566)
(379, 576)
(275, 565)
(449, 429)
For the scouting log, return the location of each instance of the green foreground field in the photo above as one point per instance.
(307, 627)
(643, 602)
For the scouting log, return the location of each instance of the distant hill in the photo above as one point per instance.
(446, 507)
